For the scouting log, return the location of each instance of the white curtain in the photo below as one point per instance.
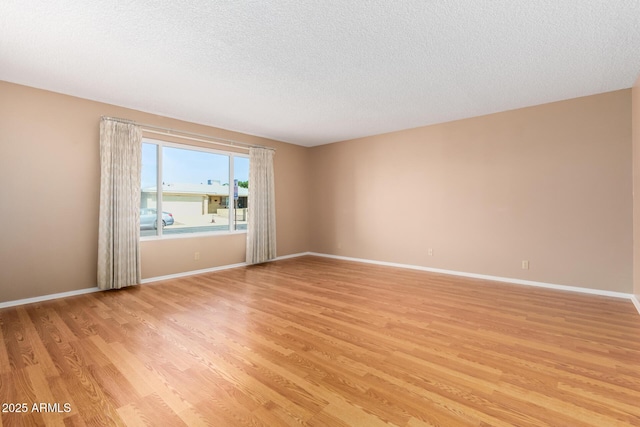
(261, 234)
(119, 227)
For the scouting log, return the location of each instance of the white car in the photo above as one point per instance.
(149, 218)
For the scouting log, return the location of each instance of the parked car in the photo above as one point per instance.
(149, 218)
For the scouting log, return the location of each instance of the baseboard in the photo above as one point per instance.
(485, 277)
(149, 280)
(212, 269)
(631, 297)
(299, 254)
(48, 297)
(192, 273)
(636, 302)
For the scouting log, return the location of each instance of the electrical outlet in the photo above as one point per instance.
(525, 265)
(196, 256)
(430, 251)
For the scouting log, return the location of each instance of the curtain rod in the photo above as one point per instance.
(189, 135)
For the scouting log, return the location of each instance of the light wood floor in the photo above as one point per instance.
(312, 341)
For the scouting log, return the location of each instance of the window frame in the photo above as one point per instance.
(160, 144)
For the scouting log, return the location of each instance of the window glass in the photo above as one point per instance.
(197, 190)
(241, 192)
(149, 193)
(195, 185)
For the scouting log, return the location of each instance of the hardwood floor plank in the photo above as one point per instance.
(43, 394)
(152, 410)
(18, 391)
(270, 414)
(115, 386)
(5, 363)
(19, 353)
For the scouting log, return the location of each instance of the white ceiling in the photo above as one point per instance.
(312, 72)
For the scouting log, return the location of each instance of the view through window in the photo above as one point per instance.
(196, 190)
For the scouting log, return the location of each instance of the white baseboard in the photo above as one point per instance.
(149, 280)
(209, 270)
(299, 254)
(192, 272)
(484, 276)
(634, 300)
(48, 297)
(631, 297)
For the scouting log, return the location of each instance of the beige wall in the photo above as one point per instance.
(49, 180)
(635, 111)
(550, 184)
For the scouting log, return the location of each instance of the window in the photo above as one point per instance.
(187, 189)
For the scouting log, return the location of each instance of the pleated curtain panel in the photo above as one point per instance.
(119, 226)
(261, 233)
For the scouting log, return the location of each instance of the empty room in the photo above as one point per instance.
(358, 213)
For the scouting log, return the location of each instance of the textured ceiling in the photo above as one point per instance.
(314, 72)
